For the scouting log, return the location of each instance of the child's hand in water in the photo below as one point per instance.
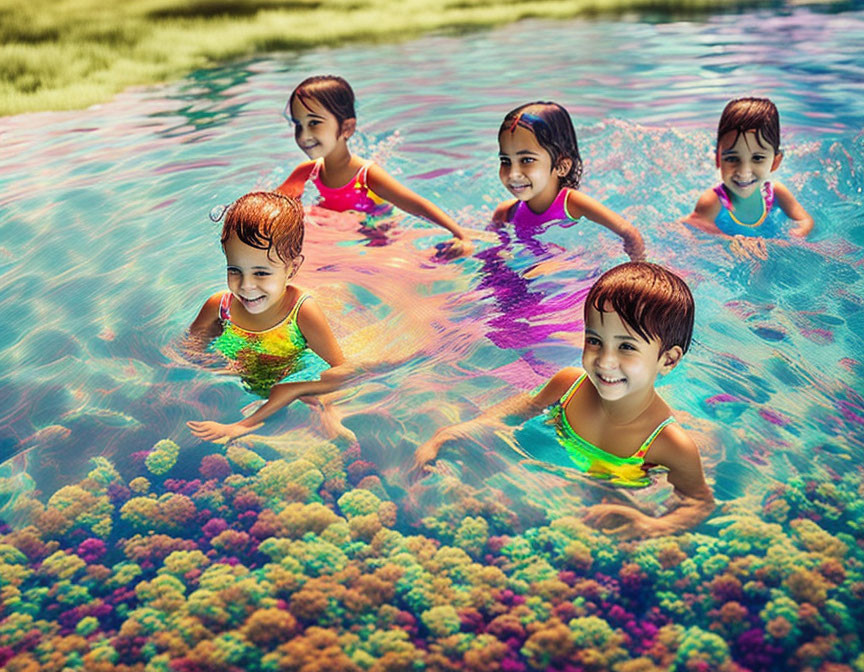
(427, 452)
(623, 521)
(453, 248)
(217, 432)
(745, 247)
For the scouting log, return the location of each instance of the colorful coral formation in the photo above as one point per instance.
(282, 565)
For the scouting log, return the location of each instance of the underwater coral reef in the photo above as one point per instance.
(303, 562)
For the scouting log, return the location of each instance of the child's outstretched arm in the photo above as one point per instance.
(794, 211)
(580, 205)
(521, 405)
(403, 198)
(676, 451)
(320, 339)
(293, 186)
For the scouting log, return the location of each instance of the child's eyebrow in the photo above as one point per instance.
(625, 337)
(728, 151)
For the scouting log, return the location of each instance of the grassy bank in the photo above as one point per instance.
(67, 54)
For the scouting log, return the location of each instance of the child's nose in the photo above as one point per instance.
(606, 357)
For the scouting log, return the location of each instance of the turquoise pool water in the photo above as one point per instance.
(107, 253)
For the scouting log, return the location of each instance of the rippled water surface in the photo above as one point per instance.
(107, 251)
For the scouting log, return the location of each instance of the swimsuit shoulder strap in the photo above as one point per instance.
(225, 307)
(313, 175)
(572, 390)
(292, 316)
(768, 191)
(566, 192)
(725, 201)
(361, 174)
(647, 443)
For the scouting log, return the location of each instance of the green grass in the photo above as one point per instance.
(68, 54)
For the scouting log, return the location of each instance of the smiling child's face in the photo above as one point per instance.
(316, 129)
(746, 160)
(618, 361)
(526, 167)
(256, 279)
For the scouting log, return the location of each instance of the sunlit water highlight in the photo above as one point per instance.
(107, 251)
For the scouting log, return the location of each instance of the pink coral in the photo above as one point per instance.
(214, 466)
(91, 550)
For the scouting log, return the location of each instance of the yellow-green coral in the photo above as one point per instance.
(162, 457)
(78, 507)
(171, 511)
(472, 535)
(441, 621)
(358, 502)
(815, 539)
(62, 565)
(179, 563)
(244, 458)
(103, 472)
(139, 485)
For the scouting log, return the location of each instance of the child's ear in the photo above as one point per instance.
(348, 128)
(778, 158)
(669, 359)
(563, 167)
(294, 265)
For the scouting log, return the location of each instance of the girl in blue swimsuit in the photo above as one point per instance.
(746, 207)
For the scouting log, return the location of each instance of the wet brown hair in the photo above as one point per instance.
(751, 114)
(267, 221)
(333, 92)
(553, 128)
(650, 300)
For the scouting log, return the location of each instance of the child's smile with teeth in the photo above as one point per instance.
(745, 160)
(526, 169)
(258, 280)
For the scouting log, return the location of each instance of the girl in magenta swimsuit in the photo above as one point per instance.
(541, 167)
(322, 111)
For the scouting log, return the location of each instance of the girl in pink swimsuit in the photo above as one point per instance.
(322, 111)
(541, 167)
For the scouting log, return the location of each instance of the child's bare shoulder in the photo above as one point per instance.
(208, 316)
(557, 386)
(309, 313)
(674, 447)
(708, 203)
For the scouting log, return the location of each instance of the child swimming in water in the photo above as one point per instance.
(541, 167)
(265, 327)
(741, 207)
(608, 417)
(322, 111)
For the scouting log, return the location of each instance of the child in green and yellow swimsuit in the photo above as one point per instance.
(270, 332)
(609, 418)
